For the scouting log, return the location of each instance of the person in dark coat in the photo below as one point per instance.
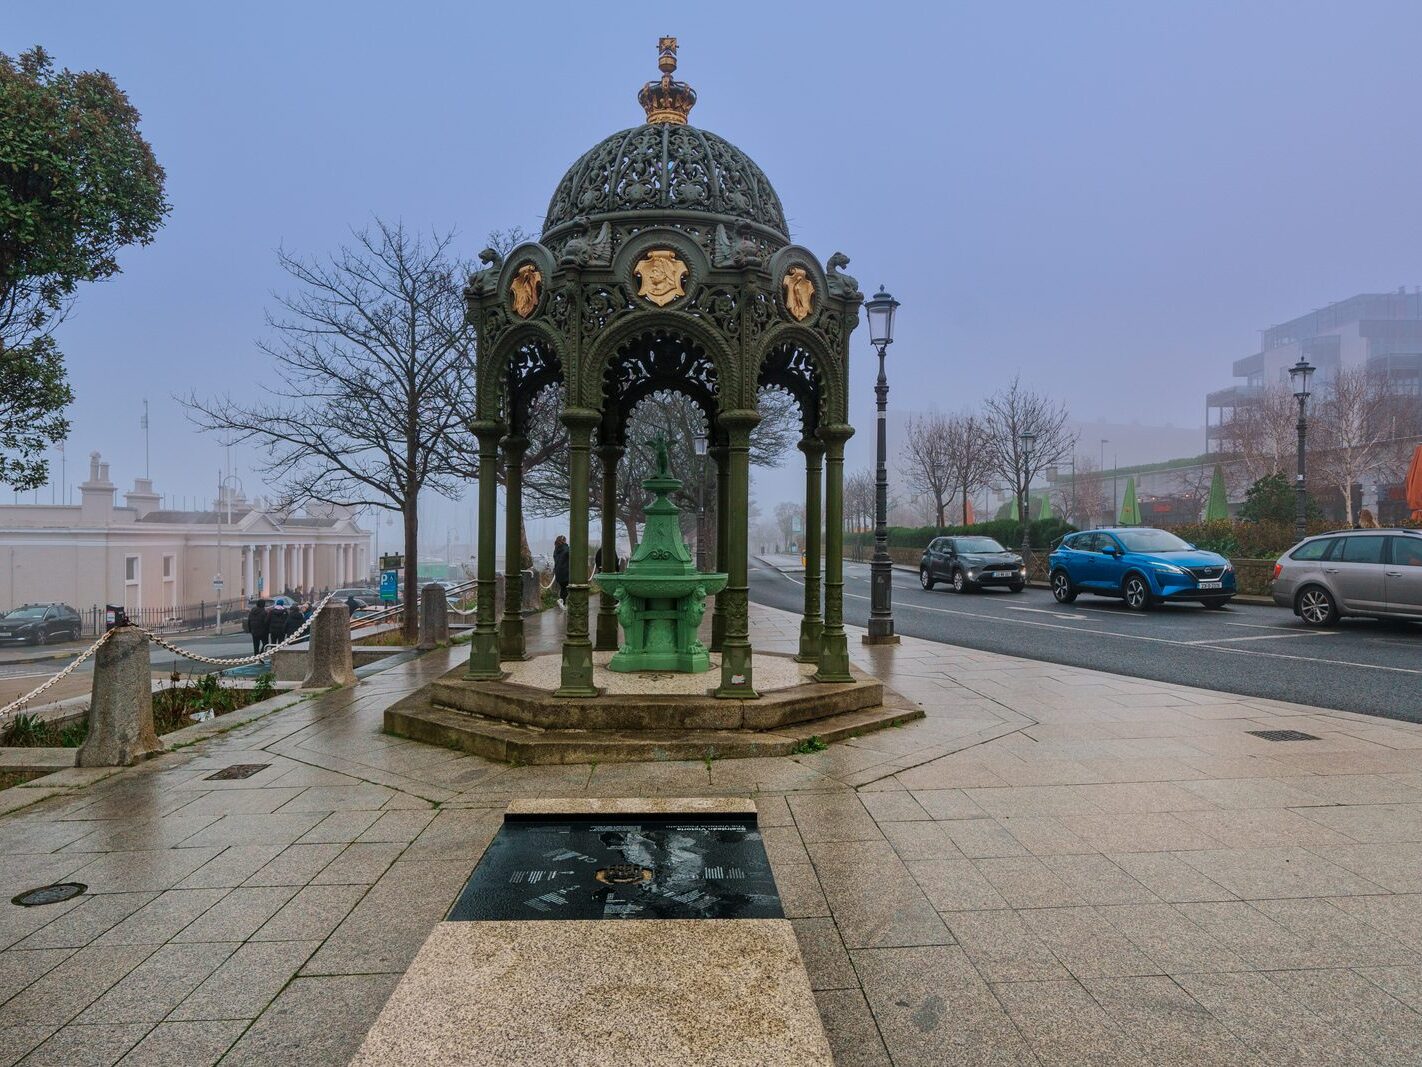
(560, 569)
(276, 627)
(257, 624)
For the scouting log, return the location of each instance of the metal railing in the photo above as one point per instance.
(171, 620)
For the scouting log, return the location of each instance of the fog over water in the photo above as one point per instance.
(1111, 198)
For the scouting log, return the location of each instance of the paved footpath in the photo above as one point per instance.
(1057, 866)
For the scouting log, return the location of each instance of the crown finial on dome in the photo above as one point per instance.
(667, 100)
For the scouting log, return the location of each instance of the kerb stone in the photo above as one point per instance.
(121, 706)
(434, 617)
(330, 656)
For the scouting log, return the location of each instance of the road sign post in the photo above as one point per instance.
(217, 590)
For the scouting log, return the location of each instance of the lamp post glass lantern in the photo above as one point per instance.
(1300, 375)
(880, 309)
(1028, 440)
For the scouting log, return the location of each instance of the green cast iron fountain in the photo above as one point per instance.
(661, 597)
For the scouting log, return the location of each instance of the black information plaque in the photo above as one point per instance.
(622, 867)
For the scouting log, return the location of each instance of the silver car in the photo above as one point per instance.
(1375, 573)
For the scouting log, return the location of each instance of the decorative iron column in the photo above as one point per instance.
(577, 676)
(484, 649)
(511, 643)
(737, 678)
(811, 624)
(610, 454)
(834, 645)
(721, 454)
(881, 567)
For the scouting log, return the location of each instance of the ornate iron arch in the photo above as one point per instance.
(659, 360)
(790, 367)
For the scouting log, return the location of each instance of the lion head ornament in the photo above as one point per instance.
(525, 288)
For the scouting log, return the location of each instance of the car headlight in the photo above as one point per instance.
(1168, 568)
(1228, 566)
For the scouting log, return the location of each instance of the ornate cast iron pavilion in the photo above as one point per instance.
(665, 263)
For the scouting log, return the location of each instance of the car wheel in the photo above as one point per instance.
(1316, 607)
(1136, 592)
(960, 580)
(924, 578)
(1062, 588)
(34, 639)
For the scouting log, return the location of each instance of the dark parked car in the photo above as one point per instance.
(1352, 572)
(1142, 566)
(38, 624)
(969, 563)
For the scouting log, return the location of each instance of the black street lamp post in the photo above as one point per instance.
(1028, 441)
(880, 309)
(1299, 375)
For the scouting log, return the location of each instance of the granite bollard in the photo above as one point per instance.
(121, 705)
(531, 593)
(434, 616)
(329, 659)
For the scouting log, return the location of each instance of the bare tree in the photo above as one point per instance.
(1354, 432)
(1263, 432)
(859, 505)
(367, 405)
(968, 456)
(1083, 497)
(1008, 415)
(928, 461)
(789, 520)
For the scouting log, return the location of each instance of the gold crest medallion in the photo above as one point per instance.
(799, 293)
(661, 274)
(526, 287)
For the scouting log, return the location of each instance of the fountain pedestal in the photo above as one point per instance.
(661, 597)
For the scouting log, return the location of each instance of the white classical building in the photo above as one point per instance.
(149, 559)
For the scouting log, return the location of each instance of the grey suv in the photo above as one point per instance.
(1374, 573)
(969, 563)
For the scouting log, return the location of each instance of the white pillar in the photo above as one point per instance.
(266, 551)
(298, 557)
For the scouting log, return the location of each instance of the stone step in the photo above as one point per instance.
(527, 706)
(418, 719)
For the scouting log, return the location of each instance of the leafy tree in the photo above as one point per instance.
(1272, 499)
(78, 182)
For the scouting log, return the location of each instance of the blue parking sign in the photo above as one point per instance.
(389, 586)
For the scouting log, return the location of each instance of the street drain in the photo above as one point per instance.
(1282, 735)
(237, 770)
(48, 894)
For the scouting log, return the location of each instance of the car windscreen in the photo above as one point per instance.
(26, 613)
(1151, 541)
(978, 544)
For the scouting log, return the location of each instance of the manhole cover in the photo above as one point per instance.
(645, 868)
(48, 894)
(1282, 735)
(237, 770)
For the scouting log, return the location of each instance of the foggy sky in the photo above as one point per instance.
(1111, 198)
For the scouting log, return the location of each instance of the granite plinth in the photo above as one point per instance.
(710, 992)
(121, 728)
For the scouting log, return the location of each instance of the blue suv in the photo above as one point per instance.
(1141, 566)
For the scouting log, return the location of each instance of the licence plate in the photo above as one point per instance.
(1002, 574)
(1212, 585)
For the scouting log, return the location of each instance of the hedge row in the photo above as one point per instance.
(1007, 532)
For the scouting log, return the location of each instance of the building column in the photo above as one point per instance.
(511, 643)
(737, 679)
(247, 585)
(720, 453)
(298, 571)
(484, 648)
(811, 624)
(308, 554)
(610, 453)
(834, 645)
(577, 675)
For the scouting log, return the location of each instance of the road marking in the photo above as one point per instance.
(1265, 637)
(1043, 611)
(1139, 637)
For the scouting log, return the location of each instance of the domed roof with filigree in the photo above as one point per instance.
(661, 166)
(666, 165)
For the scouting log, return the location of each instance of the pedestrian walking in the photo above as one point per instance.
(560, 568)
(257, 624)
(277, 625)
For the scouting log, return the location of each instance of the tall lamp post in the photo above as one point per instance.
(698, 442)
(1299, 375)
(1028, 440)
(880, 309)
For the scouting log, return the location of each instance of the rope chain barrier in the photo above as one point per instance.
(196, 657)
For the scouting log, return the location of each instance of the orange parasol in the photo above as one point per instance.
(1412, 484)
